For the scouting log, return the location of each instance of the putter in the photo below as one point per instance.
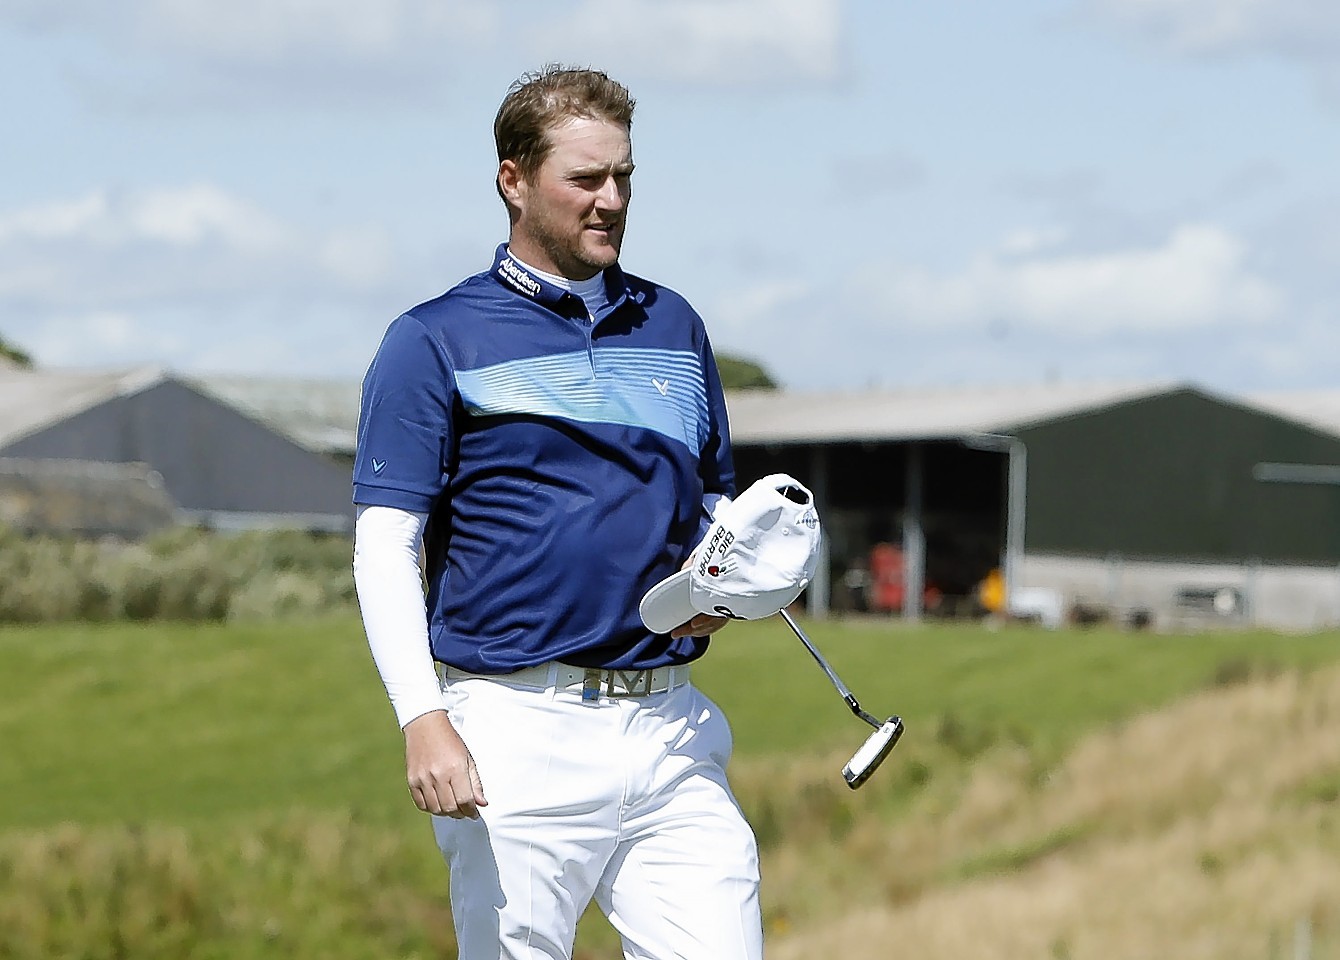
(878, 744)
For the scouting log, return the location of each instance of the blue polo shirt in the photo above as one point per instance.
(562, 463)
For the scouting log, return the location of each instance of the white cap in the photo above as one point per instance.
(760, 553)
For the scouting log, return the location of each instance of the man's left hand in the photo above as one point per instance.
(703, 625)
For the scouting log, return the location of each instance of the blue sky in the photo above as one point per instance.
(852, 193)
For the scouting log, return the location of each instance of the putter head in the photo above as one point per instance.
(872, 752)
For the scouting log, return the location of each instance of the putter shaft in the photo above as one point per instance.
(832, 674)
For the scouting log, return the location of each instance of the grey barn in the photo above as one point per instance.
(222, 466)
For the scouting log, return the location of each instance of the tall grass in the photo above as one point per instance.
(1203, 830)
(320, 886)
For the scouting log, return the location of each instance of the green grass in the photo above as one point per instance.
(188, 723)
(1044, 687)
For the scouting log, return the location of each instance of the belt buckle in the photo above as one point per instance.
(635, 683)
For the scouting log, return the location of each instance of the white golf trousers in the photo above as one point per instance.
(624, 800)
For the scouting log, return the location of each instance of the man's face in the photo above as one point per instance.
(571, 212)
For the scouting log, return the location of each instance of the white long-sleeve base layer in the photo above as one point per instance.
(387, 543)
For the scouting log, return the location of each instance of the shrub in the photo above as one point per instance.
(182, 574)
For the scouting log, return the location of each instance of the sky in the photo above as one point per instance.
(855, 194)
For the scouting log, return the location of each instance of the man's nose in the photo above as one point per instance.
(611, 195)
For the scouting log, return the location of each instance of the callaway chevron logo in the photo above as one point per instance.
(661, 385)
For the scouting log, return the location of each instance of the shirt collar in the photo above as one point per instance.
(507, 271)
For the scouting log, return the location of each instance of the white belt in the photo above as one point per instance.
(591, 683)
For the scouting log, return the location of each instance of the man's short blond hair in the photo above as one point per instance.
(540, 101)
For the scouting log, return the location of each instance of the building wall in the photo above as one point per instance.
(211, 458)
(1171, 477)
(1177, 594)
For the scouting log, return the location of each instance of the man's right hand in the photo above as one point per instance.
(441, 773)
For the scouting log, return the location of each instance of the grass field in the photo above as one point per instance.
(237, 791)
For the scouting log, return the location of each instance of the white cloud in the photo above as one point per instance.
(1032, 240)
(269, 30)
(125, 249)
(1307, 29)
(177, 216)
(191, 277)
(194, 278)
(113, 337)
(735, 41)
(178, 55)
(1197, 278)
(264, 31)
(171, 56)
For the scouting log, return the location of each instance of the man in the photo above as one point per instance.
(551, 434)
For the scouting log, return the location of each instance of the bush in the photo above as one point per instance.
(285, 594)
(38, 582)
(183, 574)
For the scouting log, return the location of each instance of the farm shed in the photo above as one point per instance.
(221, 467)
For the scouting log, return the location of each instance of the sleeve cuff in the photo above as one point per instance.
(368, 495)
(411, 708)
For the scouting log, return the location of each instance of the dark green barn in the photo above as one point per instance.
(1180, 475)
(959, 482)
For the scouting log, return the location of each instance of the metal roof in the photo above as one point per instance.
(932, 413)
(32, 400)
(318, 415)
(322, 415)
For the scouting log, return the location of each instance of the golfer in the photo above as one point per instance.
(550, 437)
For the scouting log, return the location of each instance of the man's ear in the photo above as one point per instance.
(510, 183)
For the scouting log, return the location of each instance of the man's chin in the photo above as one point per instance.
(600, 257)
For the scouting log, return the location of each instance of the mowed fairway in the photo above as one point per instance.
(237, 746)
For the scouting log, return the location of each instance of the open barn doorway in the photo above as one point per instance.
(872, 512)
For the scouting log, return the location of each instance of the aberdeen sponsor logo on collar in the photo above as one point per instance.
(517, 278)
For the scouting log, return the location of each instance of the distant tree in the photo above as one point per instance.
(738, 373)
(14, 354)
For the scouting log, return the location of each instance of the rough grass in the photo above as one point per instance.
(1203, 830)
(236, 791)
(309, 886)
